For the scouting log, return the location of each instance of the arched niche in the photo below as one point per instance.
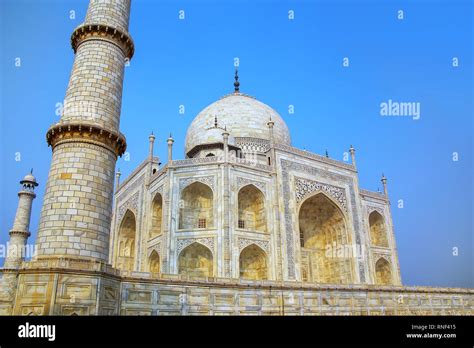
(383, 272)
(196, 207)
(378, 231)
(253, 263)
(156, 216)
(196, 261)
(126, 242)
(251, 209)
(154, 262)
(323, 232)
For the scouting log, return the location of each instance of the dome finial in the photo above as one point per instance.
(236, 83)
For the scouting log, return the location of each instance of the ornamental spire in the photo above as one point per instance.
(236, 83)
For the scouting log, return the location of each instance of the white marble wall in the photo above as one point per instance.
(285, 188)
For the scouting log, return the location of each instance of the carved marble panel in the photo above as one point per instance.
(156, 247)
(207, 180)
(305, 188)
(130, 188)
(32, 310)
(158, 190)
(245, 242)
(77, 291)
(241, 182)
(183, 243)
(132, 204)
(74, 310)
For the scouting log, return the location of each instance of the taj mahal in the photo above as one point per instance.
(243, 223)
(245, 204)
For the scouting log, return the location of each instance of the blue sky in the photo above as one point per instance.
(282, 62)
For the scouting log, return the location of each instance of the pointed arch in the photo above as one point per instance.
(323, 231)
(197, 205)
(383, 272)
(253, 263)
(251, 209)
(378, 230)
(126, 242)
(156, 216)
(196, 260)
(154, 262)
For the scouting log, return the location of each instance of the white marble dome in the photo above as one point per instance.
(242, 115)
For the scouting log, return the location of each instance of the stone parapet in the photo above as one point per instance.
(375, 195)
(71, 286)
(313, 156)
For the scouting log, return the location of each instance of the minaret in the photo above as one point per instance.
(384, 183)
(225, 136)
(353, 157)
(270, 125)
(77, 208)
(170, 142)
(20, 232)
(271, 159)
(151, 138)
(117, 179)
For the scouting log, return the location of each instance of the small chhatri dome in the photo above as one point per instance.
(29, 179)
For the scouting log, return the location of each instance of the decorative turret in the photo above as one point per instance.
(353, 158)
(225, 136)
(20, 232)
(170, 142)
(384, 183)
(117, 178)
(270, 125)
(152, 141)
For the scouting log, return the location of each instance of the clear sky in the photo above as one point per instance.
(283, 62)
